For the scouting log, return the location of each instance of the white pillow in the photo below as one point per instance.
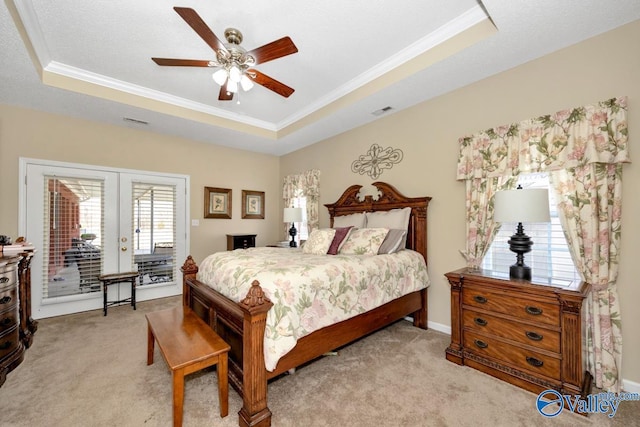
(356, 220)
(395, 218)
(319, 241)
(364, 241)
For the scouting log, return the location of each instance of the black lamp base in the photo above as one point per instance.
(292, 233)
(521, 272)
(520, 243)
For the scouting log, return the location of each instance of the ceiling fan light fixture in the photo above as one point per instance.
(234, 73)
(232, 86)
(246, 83)
(220, 76)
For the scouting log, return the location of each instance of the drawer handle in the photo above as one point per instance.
(533, 310)
(4, 279)
(480, 299)
(6, 321)
(480, 344)
(533, 336)
(5, 300)
(5, 345)
(480, 321)
(534, 362)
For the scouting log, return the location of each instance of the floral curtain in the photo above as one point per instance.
(306, 184)
(583, 149)
(481, 229)
(590, 198)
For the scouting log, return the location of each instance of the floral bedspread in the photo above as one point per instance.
(310, 292)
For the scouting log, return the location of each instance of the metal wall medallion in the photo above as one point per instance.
(376, 160)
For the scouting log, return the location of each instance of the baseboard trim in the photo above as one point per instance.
(439, 327)
(630, 386)
(435, 326)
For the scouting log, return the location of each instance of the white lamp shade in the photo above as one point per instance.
(292, 215)
(524, 205)
(246, 83)
(220, 76)
(232, 86)
(235, 74)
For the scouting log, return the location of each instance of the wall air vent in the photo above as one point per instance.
(382, 111)
(136, 121)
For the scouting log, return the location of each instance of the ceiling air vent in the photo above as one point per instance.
(382, 111)
(136, 121)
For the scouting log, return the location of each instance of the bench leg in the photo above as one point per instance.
(223, 384)
(178, 396)
(150, 344)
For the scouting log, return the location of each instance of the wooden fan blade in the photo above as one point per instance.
(225, 95)
(270, 83)
(181, 62)
(274, 50)
(193, 19)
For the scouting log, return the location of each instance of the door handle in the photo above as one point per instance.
(123, 249)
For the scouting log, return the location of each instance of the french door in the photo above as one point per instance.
(86, 221)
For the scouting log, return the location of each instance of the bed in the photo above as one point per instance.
(242, 324)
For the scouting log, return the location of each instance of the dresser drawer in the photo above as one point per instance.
(8, 298)
(532, 335)
(9, 341)
(8, 318)
(525, 359)
(513, 305)
(8, 277)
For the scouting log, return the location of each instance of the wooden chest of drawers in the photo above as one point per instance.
(528, 334)
(11, 347)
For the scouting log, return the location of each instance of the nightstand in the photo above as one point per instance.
(241, 241)
(527, 333)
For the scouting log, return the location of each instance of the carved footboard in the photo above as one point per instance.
(242, 326)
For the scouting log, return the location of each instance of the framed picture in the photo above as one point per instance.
(252, 204)
(217, 202)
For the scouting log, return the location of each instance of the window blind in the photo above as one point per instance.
(73, 231)
(154, 225)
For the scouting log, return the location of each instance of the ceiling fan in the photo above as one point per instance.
(234, 63)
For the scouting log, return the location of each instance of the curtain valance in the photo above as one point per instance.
(567, 139)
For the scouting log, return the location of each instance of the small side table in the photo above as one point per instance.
(110, 279)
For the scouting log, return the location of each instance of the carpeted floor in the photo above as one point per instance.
(89, 370)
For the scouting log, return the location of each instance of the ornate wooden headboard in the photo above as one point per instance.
(389, 198)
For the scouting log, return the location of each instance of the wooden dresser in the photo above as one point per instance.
(16, 326)
(526, 333)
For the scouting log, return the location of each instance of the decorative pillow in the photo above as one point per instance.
(339, 239)
(395, 218)
(395, 241)
(354, 220)
(364, 241)
(319, 241)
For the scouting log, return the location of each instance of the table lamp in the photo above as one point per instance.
(530, 205)
(292, 215)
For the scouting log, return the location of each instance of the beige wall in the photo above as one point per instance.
(25, 133)
(600, 68)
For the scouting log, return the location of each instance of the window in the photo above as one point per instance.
(549, 256)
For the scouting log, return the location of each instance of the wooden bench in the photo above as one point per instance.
(187, 345)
